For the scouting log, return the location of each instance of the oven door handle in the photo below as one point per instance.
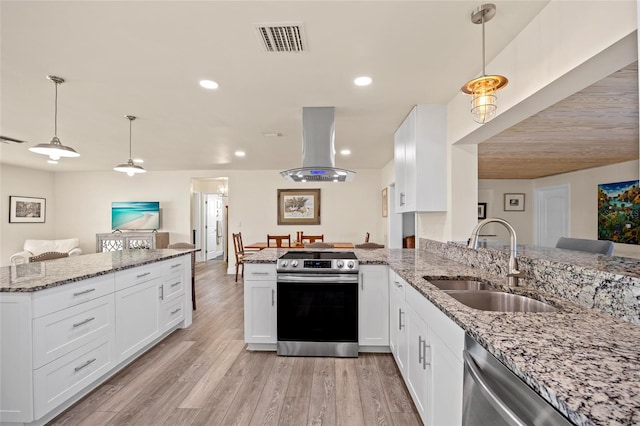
(318, 278)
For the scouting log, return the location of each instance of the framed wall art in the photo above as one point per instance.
(482, 210)
(513, 202)
(619, 212)
(27, 209)
(385, 202)
(298, 206)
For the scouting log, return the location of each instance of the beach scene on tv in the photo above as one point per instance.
(135, 215)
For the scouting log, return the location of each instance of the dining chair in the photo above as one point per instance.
(48, 255)
(311, 238)
(187, 246)
(369, 245)
(366, 238)
(589, 246)
(239, 252)
(279, 240)
(318, 244)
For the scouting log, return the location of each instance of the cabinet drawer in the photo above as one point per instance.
(172, 314)
(65, 296)
(173, 265)
(172, 286)
(59, 380)
(61, 332)
(260, 272)
(133, 276)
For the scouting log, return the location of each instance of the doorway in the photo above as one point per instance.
(214, 226)
(551, 214)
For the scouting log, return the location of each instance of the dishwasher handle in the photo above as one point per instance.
(485, 387)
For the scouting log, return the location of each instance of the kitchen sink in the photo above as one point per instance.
(460, 284)
(499, 301)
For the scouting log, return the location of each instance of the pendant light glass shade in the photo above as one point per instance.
(129, 167)
(484, 101)
(54, 149)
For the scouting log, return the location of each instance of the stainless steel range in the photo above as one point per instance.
(318, 304)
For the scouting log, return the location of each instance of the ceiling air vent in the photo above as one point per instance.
(281, 37)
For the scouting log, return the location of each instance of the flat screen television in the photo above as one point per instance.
(135, 215)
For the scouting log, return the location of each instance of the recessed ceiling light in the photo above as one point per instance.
(362, 81)
(240, 153)
(208, 84)
(52, 161)
(138, 160)
(345, 152)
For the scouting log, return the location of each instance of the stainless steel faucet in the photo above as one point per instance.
(514, 272)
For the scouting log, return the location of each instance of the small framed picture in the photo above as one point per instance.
(385, 202)
(482, 210)
(513, 202)
(27, 209)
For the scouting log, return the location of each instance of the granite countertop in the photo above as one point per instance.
(583, 362)
(36, 276)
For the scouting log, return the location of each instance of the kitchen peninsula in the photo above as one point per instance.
(583, 359)
(69, 324)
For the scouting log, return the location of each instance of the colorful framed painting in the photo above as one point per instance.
(298, 206)
(619, 212)
(27, 209)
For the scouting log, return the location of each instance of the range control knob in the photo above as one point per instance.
(294, 263)
(284, 263)
(340, 264)
(351, 264)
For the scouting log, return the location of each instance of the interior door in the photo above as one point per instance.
(211, 229)
(551, 214)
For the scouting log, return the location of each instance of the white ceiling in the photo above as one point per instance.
(145, 58)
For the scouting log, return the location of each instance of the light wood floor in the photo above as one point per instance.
(203, 375)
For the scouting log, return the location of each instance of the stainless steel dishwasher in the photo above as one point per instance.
(494, 396)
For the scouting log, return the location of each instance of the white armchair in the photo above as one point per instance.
(36, 247)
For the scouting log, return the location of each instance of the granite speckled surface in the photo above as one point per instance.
(42, 275)
(583, 362)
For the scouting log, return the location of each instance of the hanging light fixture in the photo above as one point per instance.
(483, 89)
(54, 149)
(129, 167)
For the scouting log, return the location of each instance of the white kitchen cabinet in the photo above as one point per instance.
(418, 377)
(373, 306)
(397, 321)
(420, 160)
(137, 317)
(260, 306)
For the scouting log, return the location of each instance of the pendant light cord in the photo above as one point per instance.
(130, 120)
(55, 115)
(483, 57)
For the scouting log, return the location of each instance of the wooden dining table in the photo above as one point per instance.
(262, 245)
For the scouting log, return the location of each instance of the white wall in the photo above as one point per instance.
(583, 184)
(81, 204)
(24, 182)
(491, 191)
(583, 221)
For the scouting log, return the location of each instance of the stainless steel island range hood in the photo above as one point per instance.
(318, 152)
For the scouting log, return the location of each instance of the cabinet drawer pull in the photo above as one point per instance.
(175, 311)
(259, 273)
(397, 283)
(161, 292)
(176, 265)
(78, 324)
(426, 360)
(402, 198)
(80, 293)
(420, 354)
(273, 297)
(175, 284)
(143, 275)
(400, 313)
(86, 364)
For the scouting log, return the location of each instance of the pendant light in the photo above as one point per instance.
(483, 89)
(129, 167)
(54, 149)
